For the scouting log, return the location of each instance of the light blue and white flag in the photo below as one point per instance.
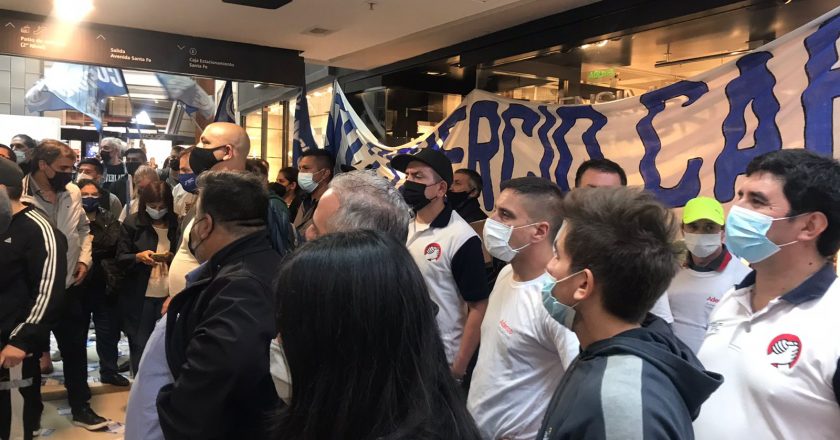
(76, 87)
(184, 89)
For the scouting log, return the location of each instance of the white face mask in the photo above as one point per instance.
(307, 182)
(497, 238)
(702, 245)
(156, 214)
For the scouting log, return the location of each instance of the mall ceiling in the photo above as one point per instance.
(356, 34)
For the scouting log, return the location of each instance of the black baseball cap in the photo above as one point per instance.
(433, 158)
(10, 174)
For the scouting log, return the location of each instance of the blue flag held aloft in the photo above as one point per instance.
(225, 111)
(76, 87)
(302, 139)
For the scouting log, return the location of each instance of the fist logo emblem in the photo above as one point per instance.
(784, 350)
(432, 252)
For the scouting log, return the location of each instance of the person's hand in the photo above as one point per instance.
(11, 356)
(165, 305)
(145, 257)
(80, 273)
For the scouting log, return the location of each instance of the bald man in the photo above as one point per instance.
(223, 146)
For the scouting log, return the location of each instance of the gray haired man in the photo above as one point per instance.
(354, 200)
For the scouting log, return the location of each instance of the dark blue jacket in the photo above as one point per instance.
(640, 384)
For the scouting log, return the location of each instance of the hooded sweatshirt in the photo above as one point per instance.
(641, 383)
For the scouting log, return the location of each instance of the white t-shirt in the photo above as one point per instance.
(780, 364)
(694, 294)
(662, 309)
(183, 263)
(158, 286)
(524, 353)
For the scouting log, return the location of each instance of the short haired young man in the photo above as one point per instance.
(315, 171)
(463, 196)
(709, 271)
(123, 188)
(613, 259)
(596, 173)
(448, 252)
(774, 337)
(524, 351)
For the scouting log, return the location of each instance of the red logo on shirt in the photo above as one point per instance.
(432, 252)
(504, 325)
(784, 351)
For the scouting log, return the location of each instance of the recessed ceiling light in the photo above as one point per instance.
(433, 73)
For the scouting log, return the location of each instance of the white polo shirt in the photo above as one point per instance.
(448, 253)
(524, 353)
(779, 364)
(694, 293)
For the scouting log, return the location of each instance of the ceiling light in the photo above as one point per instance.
(143, 118)
(72, 10)
(433, 73)
(602, 43)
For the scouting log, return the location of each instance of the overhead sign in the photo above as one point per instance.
(37, 36)
(694, 137)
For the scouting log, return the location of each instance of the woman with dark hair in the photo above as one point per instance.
(287, 178)
(148, 241)
(363, 347)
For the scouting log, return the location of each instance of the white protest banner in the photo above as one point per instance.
(693, 137)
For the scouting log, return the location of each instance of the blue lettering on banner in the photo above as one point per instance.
(548, 148)
(823, 87)
(480, 153)
(568, 118)
(754, 86)
(529, 120)
(689, 184)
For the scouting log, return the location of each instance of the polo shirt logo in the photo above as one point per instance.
(504, 325)
(784, 350)
(433, 252)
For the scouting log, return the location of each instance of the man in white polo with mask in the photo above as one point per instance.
(774, 337)
(709, 271)
(524, 351)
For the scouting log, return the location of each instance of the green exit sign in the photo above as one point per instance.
(602, 73)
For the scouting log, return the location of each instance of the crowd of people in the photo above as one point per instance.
(332, 304)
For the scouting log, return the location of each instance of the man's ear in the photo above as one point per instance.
(586, 286)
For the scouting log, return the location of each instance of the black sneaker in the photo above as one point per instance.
(86, 418)
(123, 367)
(114, 379)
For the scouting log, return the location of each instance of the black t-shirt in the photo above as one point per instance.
(112, 174)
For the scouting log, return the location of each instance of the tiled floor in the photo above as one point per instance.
(108, 405)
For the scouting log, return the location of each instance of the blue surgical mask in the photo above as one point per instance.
(746, 234)
(560, 312)
(187, 182)
(90, 204)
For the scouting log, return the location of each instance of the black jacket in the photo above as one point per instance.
(33, 267)
(139, 235)
(218, 332)
(105, 229)
(642, 383)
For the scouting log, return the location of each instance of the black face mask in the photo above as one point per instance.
(202, 159)
(456, 199)
(106, 157)
(415, 195)
(131, 167)
(59, 181)
(194, 247)
(277, 188)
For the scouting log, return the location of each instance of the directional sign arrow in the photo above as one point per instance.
(181, 47)
(100, 36)
(10, 24)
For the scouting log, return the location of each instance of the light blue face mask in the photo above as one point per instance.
(560, 312)
(746, 234)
